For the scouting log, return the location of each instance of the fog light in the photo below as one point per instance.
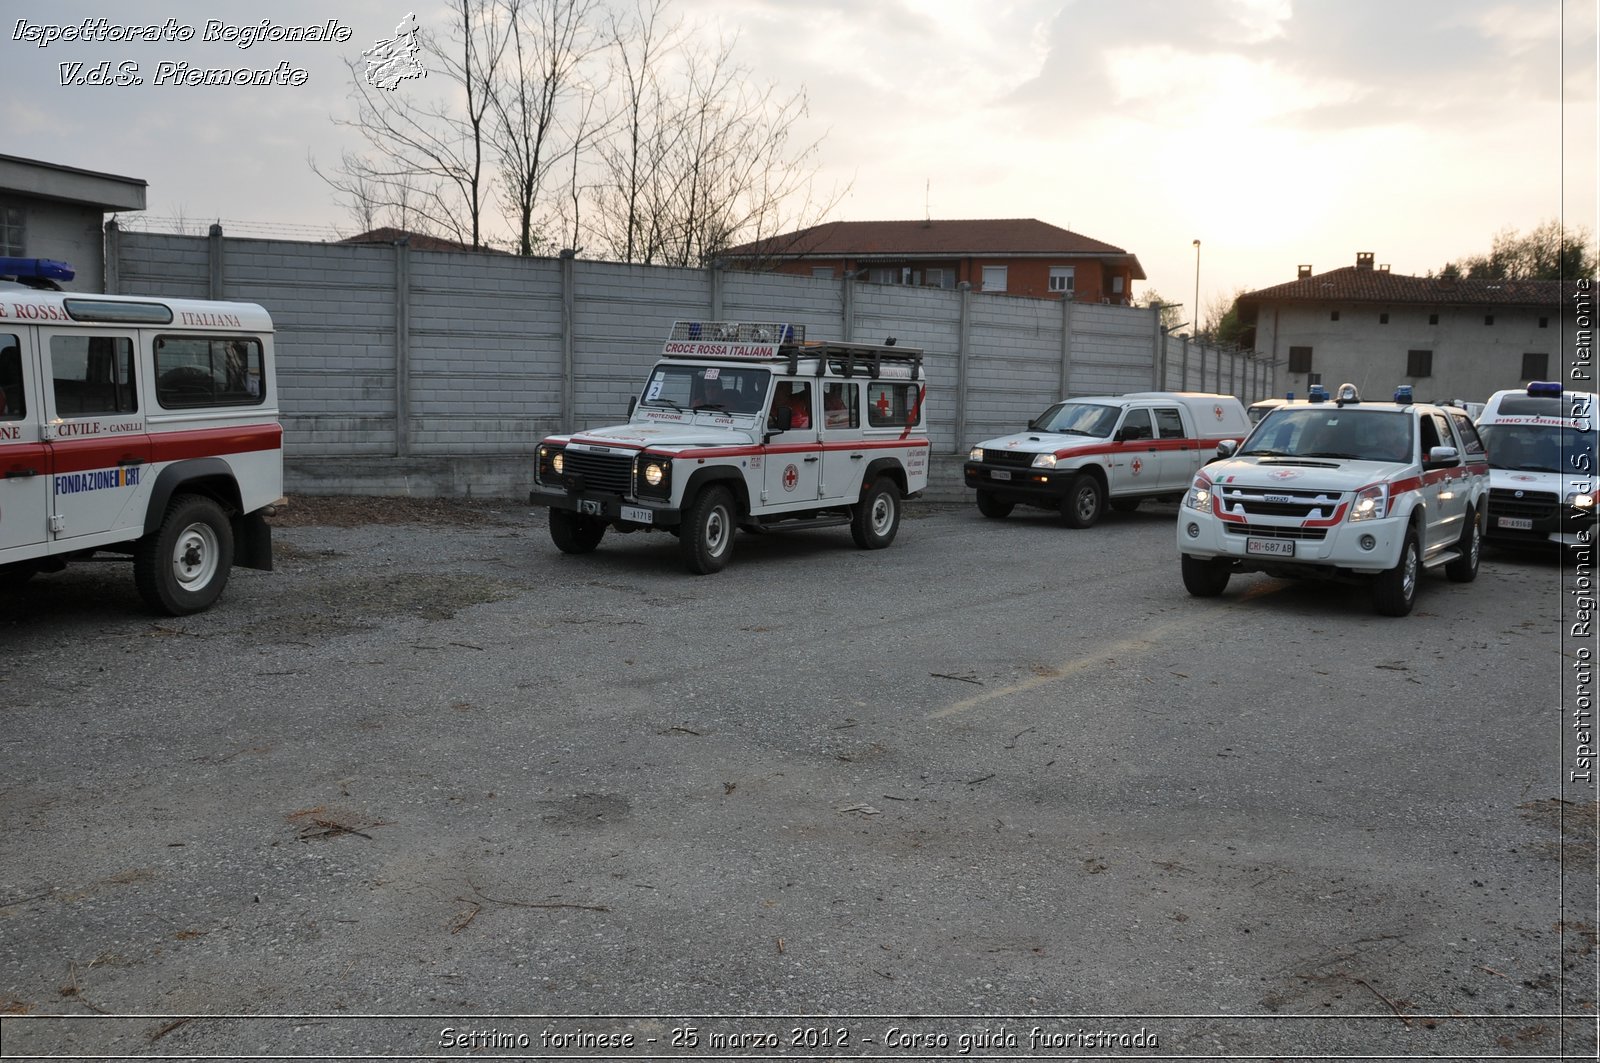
(1193, 529)
(1368, 542)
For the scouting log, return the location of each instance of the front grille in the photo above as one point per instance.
(1273, 531)
(1533, 505)
(1277, 502)
(601, 472)
(1016, 459)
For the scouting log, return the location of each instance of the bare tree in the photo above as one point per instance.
(426, 159)
(548, 43)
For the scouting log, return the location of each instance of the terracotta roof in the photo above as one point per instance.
(1002, 237)
(418, 241)
(1353, 284)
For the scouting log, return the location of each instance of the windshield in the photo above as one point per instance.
(1076, 419)
(1538, 448)
(1326, 431)
(693, 388)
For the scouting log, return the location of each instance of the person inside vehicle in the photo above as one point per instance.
(10, 382)
(797, 399)
(711, 395)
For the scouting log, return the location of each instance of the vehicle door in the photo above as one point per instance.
(792, 460)
(1133, 467)
(1179, 454)
(1446, 488)
(24, 458)
(842, 462)
(99, 449)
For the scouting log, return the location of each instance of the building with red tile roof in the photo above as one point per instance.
(1014, 256)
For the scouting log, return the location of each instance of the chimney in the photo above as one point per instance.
(1305, 271)
(1363, 260)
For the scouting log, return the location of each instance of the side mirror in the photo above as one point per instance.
(632, 405)
(1226, 447)
(1442, 456)
(782, 419)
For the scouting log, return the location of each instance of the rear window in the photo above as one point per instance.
(208, 371)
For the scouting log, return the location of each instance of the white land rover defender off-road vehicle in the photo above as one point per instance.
(746, 426)
(1344, 490)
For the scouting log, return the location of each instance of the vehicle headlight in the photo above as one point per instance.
(550, 463)
(975, 454)
(1199, 496)
(1372, 503)
(1044, 461)
(654, 474)
(1581, 499)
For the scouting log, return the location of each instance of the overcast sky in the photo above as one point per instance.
(1276, 132)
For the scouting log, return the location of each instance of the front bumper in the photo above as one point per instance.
(1535, 520)
(609, 507)
(1364, 548)
(1018, 483)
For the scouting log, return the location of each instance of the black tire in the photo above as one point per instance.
(574, 533)
(705, 541)
(1206, 577)
(1085, 501)
(183, 566)
(14, 575)
(876, 519)
(1394, 592)
(993, 507)
(1464, 569)
(1125, 505)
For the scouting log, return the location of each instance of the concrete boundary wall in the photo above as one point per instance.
(435, 373)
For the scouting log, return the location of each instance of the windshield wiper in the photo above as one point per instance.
(710, 406)
(663, 402)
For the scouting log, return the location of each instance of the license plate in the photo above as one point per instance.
(1514, 523)
(638, 515)
(999, 474)
(590, 505)
(1270, 547)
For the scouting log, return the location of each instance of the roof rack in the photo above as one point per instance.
(771, 340)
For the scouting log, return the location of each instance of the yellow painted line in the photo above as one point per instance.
(1101, 655)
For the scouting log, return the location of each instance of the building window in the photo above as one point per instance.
(822, 272)
(994, 278)
(1383, 319)
(1488, 319)
(1544, 322)
(13, 231)
(1333, 316)
(1433, 319)
(1419, 363)
(1063, 279)
(1116, 285)
(1535, 366)
(1299, 359)
(1313, 378)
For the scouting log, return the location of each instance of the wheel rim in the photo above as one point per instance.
(717, 530)
(1408, 575)
(1086, 503)
(194, 556)
(1476, 541)
(882, 515)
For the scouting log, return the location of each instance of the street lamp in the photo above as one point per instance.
(1197, 289)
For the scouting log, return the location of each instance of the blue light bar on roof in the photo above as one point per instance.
(36, 268)
(1402, 394)
(1547, 388)
(1317, 393)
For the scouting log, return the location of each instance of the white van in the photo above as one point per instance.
(1541, 444)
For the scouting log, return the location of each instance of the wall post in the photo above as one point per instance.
(568, 324)
(214, 261)
(402, 348)
(963, 343)
(113, 252)
(1066, 345)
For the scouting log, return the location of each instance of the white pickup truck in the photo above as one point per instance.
(1081, 454)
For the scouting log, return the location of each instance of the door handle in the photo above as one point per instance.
(17, 474)
(129, 459)
(811, 459)
(855, 457)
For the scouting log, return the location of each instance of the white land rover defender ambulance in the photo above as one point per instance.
(138, 426)
(746, 426)
(1343, 490)
(1541, 443)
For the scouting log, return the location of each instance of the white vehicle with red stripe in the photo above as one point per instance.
(1344, 490)
(139, 426)
(746, 426)
(1542, 465)
(1080, 454)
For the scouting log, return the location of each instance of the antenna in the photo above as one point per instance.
(927, 200)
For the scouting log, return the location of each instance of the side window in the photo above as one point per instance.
(1169, 423)
(1136, 425)
(796, 396)
(92, 374)
(893, 405)
(1441, 429)
(841, 405)
(207, 371)
(13, 400)
(1470, 440)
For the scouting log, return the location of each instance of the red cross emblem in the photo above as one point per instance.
(883, 404)
(791, 477)
(1137, 465)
